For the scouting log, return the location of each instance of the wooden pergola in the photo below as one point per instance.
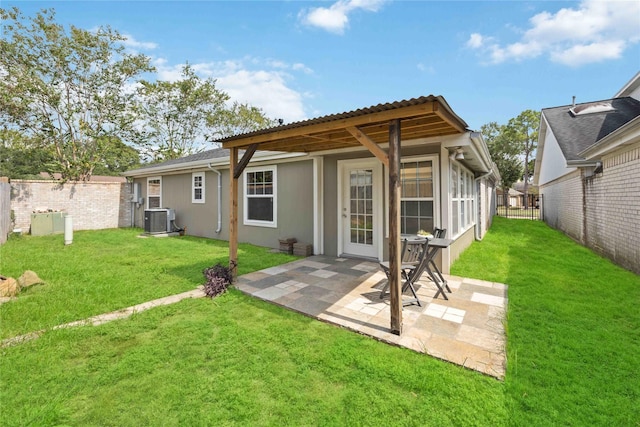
(423, 117)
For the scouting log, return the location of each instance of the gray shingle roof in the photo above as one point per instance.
(577, 133)
(215, 153)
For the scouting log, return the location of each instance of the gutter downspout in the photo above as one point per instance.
(478, 212)
(219, 197)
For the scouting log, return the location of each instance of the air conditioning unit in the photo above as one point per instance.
(159, 220)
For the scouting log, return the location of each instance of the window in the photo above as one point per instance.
(462, 199)
(154, 192)
(197, 187)
(416, 203)
(260, 202)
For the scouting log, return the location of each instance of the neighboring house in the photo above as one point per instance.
(588, 171)
(325, 187)
(514, 198)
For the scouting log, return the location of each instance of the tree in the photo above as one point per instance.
(118, 157)
(239, 119)
(522, 132)
(182, 117)
(22, 157)
(504, 154)
(66, 89)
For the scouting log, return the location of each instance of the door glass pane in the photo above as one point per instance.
(361, 205)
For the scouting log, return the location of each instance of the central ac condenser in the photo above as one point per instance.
(159, 220)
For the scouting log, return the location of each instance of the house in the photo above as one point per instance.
(325, 182)
(588, 171)
(513, 200)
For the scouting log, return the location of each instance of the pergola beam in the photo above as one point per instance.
(369, 144)
(246, 158)
(448, 117)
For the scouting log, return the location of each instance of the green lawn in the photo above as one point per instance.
(107, 270)
(573, 340)
(573, 327)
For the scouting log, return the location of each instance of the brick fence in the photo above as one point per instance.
(93, 205)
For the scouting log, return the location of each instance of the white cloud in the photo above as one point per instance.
(335, 18)
(426, 68)
(475, 41)
(260, 83)
(264, 89)
(301, 67)
(585, 54)
(134, 44)
(593, 31)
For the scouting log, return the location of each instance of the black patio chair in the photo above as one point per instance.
(414, 261)
(439, 233)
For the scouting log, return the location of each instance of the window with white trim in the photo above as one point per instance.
(260, 196)
(417, 199)
(197, 187)
(154, 192)
(462, 199)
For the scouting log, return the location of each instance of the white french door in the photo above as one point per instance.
(360, 213)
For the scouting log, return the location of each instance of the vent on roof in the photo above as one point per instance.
(591, 108)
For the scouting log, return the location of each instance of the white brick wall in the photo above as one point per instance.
(607, 219)
(562, 204)
(613, 209)
(93, 205)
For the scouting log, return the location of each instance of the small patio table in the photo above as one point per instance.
(435, 245)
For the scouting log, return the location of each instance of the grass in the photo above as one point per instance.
(234, 361)
(573, 327)
(108, 270)
(573, 340)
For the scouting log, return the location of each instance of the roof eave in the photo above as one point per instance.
(630, 132)
(198, 164)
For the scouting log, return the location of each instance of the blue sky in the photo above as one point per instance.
(304, 59)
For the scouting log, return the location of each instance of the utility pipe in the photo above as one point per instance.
(219, 197)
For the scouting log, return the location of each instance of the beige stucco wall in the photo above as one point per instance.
(93, 205)
(461, 243)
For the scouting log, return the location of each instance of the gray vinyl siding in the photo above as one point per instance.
(294, 198)
(295, 208)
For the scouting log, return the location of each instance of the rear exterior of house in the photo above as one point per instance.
(588, 170)
(335, 200)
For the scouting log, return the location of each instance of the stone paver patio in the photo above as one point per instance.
(467, 330)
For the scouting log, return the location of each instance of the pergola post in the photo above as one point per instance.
(395, 283)
(233, 212)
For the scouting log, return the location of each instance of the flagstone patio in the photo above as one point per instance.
(468, 329)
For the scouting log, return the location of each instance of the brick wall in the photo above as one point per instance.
(93, 205)
(601, 211)
(612, 225)
(562, 204)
